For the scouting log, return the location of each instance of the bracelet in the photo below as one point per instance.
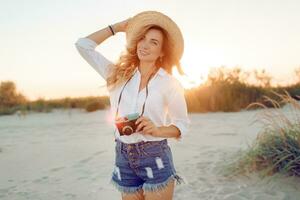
(111, 29)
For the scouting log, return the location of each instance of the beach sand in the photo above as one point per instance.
(70, 155)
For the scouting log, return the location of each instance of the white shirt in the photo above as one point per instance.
(165, 104)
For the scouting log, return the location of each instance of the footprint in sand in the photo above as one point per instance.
(97, 153)
(70, 195)
(82, 178)
(94, 179)
(88, 159)
(224, 134)
(57, 180)
(56, 169)
(40, 180)
(4, 190)
(204, 165)
(24, 194)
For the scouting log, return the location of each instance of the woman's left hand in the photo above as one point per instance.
(147, 126)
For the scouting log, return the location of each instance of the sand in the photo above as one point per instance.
(70, 155)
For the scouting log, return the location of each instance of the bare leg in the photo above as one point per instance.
(136, 196)
(165, 194)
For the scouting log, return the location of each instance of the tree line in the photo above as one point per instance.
(226, 89)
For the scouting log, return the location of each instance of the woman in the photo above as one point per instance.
(142, 82)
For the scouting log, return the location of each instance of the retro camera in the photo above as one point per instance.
(126, 125)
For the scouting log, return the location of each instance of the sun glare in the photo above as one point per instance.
(195, 74)
(196, 64)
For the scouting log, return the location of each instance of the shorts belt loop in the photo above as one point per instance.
(119, 145)
(137, 147)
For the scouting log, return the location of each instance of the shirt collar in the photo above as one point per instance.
(160, 71)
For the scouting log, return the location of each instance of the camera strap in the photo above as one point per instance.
(120, 96)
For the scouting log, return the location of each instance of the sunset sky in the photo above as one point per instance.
(37, 40)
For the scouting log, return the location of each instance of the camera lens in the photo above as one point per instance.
(127, 130)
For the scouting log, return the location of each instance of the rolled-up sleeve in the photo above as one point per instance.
(86, 48)
(177, 109)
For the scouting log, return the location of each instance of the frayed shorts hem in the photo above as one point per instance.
(146, 186)
(124, 189)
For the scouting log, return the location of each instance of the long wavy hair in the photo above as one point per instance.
(129, 61)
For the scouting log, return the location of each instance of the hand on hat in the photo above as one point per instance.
(121, 26)
(147, 127)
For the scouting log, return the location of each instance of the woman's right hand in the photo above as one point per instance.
(121, 26)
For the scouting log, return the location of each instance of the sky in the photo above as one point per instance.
(37, 49)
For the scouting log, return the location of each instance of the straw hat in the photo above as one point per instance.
(156, 18)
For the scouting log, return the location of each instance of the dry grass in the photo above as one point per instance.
(277, 146)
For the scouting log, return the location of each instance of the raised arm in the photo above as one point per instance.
(86, 47)
(99, 36)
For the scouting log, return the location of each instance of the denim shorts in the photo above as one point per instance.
(143, 165)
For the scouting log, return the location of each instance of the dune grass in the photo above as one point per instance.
(277, 146)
